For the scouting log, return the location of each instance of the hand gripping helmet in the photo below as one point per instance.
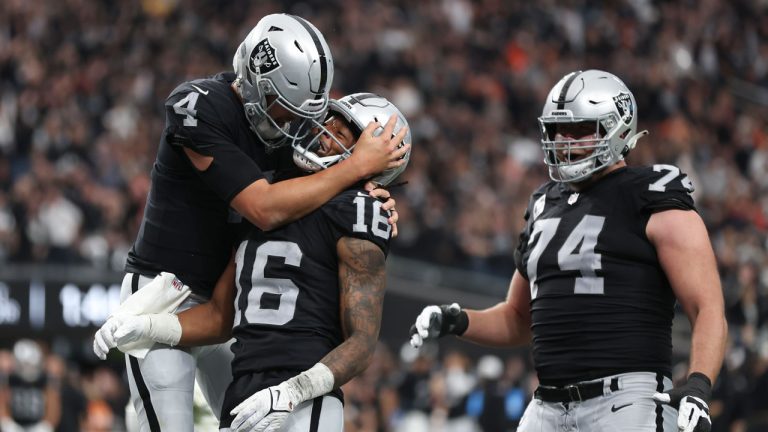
(358, 110)
(283, 61)
(590, 97)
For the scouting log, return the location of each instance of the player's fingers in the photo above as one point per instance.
(108, 335)
(684, 419)
(690, 424)
(236, 410)
(390, 126)
(388, 202)
(396, 157)
(661, 398)
(398, 138)
(369, 130)
(416, 340)
(238, 423)
(99, 346)
(423, 321)
(394, 227)
(123, 334)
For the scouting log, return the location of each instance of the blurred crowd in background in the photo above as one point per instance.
(82, 85)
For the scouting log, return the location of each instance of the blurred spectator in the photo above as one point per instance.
(82, 85)
(30, 399)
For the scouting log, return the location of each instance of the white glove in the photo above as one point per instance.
(266, 410)
(690, 401)
(693, 414)
(121, 330)
(104, 339)
(437, 321)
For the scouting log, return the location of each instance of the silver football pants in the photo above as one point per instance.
(628, 409)
(162, 383)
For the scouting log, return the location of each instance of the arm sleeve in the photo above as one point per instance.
(663, 187)
(356, 214)
(522, 241)
(194, 121)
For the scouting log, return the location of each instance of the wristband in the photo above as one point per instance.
(699, 385)
(313, 382)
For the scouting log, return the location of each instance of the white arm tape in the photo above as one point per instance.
(313, 382)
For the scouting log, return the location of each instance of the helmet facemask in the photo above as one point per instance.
(574, 148)
(284, 71)
(271, 132)
(354, 112)
(333, 141)
(588, 124)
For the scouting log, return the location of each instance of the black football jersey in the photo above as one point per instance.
(185, 228)
(287, 303)
(27, 399)
(600, 301)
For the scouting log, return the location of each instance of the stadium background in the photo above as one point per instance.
(81, 90)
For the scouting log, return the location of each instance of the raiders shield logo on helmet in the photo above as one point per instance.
(263, 59)
(624, 105)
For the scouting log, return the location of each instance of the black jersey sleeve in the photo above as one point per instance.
(535, 207)
(354, 213)
(662, 187)
(202, 119)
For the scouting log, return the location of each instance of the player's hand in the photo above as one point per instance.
(690, 399)
(104, 339)
(131, 329)
(377, 150)
(437, 321)
(388, 203)
(264, 411)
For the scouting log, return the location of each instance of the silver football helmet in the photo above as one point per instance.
(604, 108)
(286, 61)
(29, 359)
(358, 110)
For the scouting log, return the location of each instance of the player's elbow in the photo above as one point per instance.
(222, 324)
(367, 347)
(264, 218)
(255, 203)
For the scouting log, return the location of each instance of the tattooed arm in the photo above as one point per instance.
(361, 278)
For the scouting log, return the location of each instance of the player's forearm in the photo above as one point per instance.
(496, 326)
(269, 206)
(211, 322)
(204, 324)
(362, 279)
(350, 358)
(708, 342)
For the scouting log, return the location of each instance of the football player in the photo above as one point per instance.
(306, 298)
(221, 134)
(606, 251)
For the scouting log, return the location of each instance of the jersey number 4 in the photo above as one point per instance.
(577, 253)
(186, 107)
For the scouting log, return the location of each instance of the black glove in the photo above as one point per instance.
(690, 399)
(437, 321)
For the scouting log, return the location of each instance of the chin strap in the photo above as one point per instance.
(632, 142)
